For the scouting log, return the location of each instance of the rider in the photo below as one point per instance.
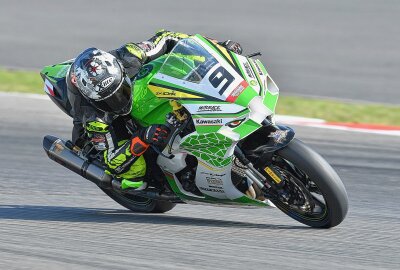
(99, 90)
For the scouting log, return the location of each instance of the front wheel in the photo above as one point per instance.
(313, 193)
(139, 204)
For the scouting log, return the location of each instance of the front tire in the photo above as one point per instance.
(139, 204)
(322, 177)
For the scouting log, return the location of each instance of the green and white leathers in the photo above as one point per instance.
(224, 149)
(227, 95)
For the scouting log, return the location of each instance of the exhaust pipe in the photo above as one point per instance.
(60, 151)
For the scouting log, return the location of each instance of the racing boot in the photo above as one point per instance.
(133, 184)
(125, 184)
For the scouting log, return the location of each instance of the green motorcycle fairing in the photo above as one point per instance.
(227, 95)
(55, 85)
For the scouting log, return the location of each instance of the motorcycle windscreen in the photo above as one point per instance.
(195, 68)
(188, 61)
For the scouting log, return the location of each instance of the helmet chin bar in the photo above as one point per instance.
(127, 109)
(124, 111)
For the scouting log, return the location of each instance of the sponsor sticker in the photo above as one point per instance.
(214, 181)
(166, 93)
(237, 91)
(248, 70)
(208, 121)
(258, 68)
(209, 108)
(107, 82)
(212, 190)
(213, 174)
(273, 175)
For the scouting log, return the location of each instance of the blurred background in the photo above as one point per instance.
(339, 49)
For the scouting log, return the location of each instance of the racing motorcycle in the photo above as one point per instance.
(224, 148)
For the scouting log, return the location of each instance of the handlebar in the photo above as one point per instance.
(155, 148)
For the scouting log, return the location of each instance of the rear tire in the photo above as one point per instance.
(139, 204)
(326, 180)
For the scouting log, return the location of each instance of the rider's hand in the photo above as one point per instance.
(155, 134)
(232, 46)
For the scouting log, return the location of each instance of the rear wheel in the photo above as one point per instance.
(139, 204)
(313, 193)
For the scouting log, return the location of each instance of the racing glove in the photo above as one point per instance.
(154, 134)
(232, 46)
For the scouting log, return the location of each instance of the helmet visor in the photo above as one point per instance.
(120, 102)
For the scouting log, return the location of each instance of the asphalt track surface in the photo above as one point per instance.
(346, 49)
(51, 218)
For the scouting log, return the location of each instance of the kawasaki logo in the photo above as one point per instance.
(208, 121)
(208, 108)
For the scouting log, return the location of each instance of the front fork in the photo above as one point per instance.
(259, 160)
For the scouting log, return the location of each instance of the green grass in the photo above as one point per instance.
(337, 111)
(20, 81)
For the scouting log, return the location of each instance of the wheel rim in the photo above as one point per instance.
(301, 197)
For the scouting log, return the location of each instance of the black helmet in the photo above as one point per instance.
(102, 80)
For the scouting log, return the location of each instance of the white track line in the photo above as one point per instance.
(352, 129)
(283, 119)
(320, 123)
(22, 95)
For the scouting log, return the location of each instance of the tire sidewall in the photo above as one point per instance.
(326, 179)
(136, 204)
